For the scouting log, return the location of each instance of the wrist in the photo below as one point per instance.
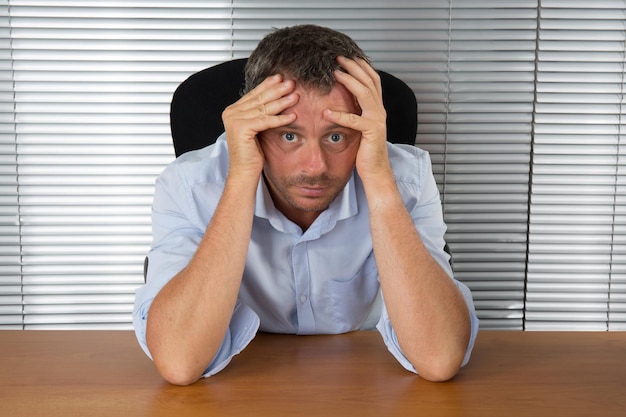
(382, 192)
(241, 183)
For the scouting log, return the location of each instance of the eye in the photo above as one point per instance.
(289, 137)
(335, 137)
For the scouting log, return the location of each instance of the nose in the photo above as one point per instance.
(313, 158)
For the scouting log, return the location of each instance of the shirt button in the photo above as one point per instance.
(303, 298)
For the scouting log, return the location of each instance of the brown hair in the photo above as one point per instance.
(306, 53)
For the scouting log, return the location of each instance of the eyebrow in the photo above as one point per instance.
(297, 127)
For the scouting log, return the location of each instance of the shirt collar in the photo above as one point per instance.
(345, 205)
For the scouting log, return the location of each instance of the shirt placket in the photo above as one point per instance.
(302, 277)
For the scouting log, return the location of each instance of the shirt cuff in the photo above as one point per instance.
(243, 327)
(389, 335)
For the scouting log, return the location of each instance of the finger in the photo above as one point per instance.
(264, 111)
(271, 89)
(259, 106)
(254, 122)
(362, 72)
(277, 106)
(274, 121)
(367, 96)
(349, 120)
(372, 74)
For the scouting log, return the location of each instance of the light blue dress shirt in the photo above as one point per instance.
(321, 281)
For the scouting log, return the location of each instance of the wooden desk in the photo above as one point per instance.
(101, 373)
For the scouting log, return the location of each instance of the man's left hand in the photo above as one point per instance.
(364, 83)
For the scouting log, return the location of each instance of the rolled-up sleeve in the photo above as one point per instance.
(421, 197)
(388, 334)
(177, 232)
(243, 328)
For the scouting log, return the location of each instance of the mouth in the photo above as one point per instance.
(312, 191)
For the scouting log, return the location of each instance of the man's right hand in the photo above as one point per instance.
(190, 315)
(255, 112)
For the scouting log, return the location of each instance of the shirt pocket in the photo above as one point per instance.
(352, 299)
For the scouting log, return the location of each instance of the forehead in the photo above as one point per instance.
(314, 102)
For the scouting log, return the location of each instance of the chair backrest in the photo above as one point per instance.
(198, 103)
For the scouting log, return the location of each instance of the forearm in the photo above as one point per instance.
(189, 317)
(428, 312)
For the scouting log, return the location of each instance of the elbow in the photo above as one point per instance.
(175, 367)
(440, 371)
(438, 367)
(442, 361)
(178, 373)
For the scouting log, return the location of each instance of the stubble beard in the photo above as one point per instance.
(333, 186)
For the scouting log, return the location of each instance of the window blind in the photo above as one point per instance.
(487, 152)
(10, 274)
(575, 164)
(520, 106)
(617, 281)
(93, 82)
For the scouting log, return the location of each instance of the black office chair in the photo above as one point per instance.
(198, 103)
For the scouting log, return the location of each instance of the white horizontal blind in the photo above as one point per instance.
(617, 282)
(617, 294)
(10, 276)
(487, 152)
(579, 98)
(93, 82)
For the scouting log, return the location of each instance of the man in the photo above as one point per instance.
(301, 219)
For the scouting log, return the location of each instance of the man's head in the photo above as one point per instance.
(308, 161)
(305, 53)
